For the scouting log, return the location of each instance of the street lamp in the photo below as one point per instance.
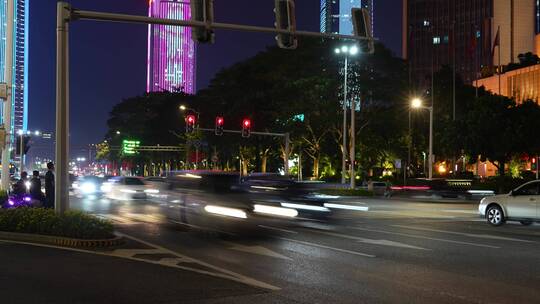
(21, 134)
(347, 51)
(416, 103)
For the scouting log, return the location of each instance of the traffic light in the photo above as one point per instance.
(246, 128)
(219, 125)
(285, 20)
(25, 144)
(190, 123)
(362, 28)
(202, 11)
(534, 165)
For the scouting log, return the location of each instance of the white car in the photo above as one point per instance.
(125, 188)
(521, 204)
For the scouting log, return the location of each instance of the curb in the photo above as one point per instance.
(59, 241)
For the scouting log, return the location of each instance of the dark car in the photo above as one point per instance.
(222, 200)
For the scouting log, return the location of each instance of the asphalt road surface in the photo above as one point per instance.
(397, 252)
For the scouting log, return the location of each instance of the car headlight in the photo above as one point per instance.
(88, 188)
(152, 191)
(225, 211)
(128, 191)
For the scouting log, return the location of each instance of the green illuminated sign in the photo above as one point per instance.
(129, 146)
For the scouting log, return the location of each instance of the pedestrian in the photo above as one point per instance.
(49, 186)
(35, 188)
(20, 186)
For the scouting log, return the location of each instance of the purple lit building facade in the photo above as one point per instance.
(171, 51)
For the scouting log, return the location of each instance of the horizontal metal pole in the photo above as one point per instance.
(101, 16)
(240, 132)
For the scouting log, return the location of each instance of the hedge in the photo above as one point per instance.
(72, 224)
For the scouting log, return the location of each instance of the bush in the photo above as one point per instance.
(72, 224)
(346, 192)
(3, 196)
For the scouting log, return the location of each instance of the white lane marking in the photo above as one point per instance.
(258, 250)
(461, 211)
(426, 238)
(118, 219)
(326, 247)
(473, 235)
(222, 273)
(278, 229)
(230, 274)
(132, 252)
(371, 241)
(410, 214)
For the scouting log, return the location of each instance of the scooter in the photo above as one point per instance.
(17, 201)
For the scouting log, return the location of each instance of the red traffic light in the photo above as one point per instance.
(246, 123)
(191, 119)
(219, 121)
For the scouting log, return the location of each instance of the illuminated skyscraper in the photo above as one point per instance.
(19, 98)
(336, 15)
(171, 51)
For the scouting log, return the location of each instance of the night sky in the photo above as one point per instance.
(108, 60)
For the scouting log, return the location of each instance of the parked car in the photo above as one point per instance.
(521, 204)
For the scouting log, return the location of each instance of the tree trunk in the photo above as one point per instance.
(316, 162)
(501, 167)
(264, 160)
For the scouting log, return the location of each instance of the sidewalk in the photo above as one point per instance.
(31, 274)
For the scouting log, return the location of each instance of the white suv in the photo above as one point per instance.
(521, 204)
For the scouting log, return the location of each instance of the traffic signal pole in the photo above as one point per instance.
(66, 14)
(61, 177)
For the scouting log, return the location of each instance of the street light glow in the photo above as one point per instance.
(183, 107)
(117, 132)
(416, 103)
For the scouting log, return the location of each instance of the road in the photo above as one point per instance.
(397, 252)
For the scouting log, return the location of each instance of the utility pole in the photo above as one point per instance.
(353, 143)
(61, 177)
(344, 156)
(8, 72)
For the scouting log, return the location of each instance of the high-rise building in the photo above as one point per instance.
(19, 97)
(463, 32)
(171, 51)
(336, 15)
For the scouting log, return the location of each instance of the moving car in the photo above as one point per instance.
(125, 188)
(521, 204)
(87, 186)
(221, 201)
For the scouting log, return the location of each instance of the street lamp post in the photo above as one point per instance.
(417, 104)
(347, 51)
